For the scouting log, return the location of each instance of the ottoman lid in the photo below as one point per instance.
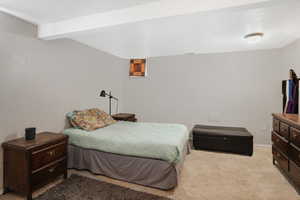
(220, 131)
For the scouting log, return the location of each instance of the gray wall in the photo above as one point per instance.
(232, 89)
(40, 81)
(291, 58)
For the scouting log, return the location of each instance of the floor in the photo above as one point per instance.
(211, 176)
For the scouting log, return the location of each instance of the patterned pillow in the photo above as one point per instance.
(70, 117)
(90, 119)
(108, 120)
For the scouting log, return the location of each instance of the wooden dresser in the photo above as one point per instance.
(286, 145)
(31, 164)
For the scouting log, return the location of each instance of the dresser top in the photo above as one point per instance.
(289, 118)
(41, 139)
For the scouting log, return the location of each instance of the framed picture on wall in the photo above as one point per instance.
(137, 67)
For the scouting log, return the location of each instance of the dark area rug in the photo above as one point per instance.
(83, 188)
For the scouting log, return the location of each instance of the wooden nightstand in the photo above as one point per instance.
(124, 117)
(31, 164)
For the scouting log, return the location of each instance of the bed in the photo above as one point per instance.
(149, 154)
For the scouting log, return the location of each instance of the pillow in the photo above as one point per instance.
(90, 119)
(70, 117)
(108, 120)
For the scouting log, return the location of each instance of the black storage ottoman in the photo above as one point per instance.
(225, 139)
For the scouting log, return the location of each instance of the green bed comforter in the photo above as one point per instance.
(150, 140)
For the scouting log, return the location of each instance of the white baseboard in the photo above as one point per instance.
(263, 145)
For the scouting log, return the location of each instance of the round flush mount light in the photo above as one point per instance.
(254, 37)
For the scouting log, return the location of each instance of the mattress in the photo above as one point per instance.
(148, 140)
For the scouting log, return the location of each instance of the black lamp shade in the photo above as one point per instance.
(102, 94)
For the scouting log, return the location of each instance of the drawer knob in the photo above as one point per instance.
(278, 155)
(51, 169)
(277, 140)
(51, 153)
(294, 135)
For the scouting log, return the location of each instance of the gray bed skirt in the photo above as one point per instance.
(143, 171)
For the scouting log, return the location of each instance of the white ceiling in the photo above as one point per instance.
(219, 31)
(45, 11)
(174, 30)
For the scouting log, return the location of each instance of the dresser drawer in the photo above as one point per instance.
(295, 136)
(284, 130)
(43, 176)
(281, 160)
(294, 154)
(280, 143)
(295, 173)
(49, 154)
(276, 125)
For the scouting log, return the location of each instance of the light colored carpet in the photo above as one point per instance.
(213, 176)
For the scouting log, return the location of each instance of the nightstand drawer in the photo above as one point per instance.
(49, 154)
(43, 176)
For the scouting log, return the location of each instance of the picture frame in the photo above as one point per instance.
(137, 67)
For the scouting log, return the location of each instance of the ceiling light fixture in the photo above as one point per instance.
(254, 37)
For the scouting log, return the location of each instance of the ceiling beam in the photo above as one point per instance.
(155, 10)
(22, 16)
